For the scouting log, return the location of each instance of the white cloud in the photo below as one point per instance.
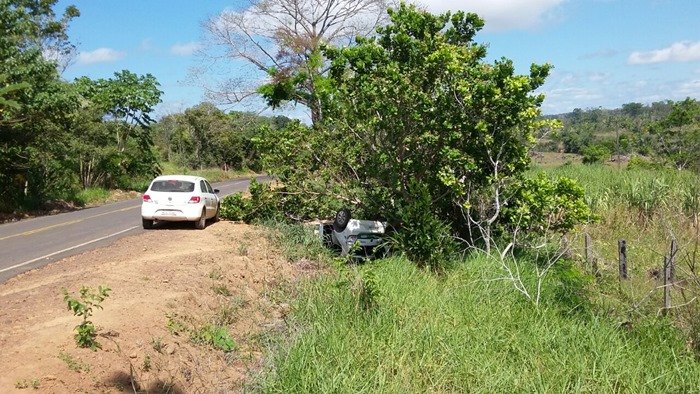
(598, 76)
(580, 94)
(690, 88)
(603, 53)
(500, 14)
(185, 49)
(146, 45)
(100, 55)
(684, 51)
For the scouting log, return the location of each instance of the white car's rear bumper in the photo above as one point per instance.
(172, 213)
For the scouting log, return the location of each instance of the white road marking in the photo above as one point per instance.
(65, 250)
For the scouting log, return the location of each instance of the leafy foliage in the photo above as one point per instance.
(83, 306)
(424, 239)
(415, 105)
(595, 154)
(264, 204)
(215, 336)
(542, 205)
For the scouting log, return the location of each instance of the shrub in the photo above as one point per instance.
(421, 236)
(595, 154)
(264, 204)
(83, 306)
(541, 205)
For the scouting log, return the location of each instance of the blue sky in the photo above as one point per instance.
(605, 52)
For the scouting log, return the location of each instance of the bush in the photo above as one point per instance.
(541, 205)
(422, 237)
(264, 204)
(595, 154)
(235, 207)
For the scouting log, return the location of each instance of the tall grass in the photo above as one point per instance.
(466, 332)
(647, 208)
(649, 190)
(91, 196)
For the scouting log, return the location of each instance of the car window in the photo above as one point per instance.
(211, 190)
(173, 185)
(203, 186)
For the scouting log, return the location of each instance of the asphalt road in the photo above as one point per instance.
(33, 243)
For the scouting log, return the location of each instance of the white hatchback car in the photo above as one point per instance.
(178, 198)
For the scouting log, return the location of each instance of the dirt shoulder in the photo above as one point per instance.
(167, 286)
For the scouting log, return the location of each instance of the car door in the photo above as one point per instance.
(208, 196)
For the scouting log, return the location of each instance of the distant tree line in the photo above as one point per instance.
(205, 136)
(667, 132)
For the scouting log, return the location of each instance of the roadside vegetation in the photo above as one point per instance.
(487, 288)
(67, 142)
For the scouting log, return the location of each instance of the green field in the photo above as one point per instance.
(390, 327)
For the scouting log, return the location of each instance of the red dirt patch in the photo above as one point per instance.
(166, 284)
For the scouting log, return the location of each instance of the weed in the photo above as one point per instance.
(226, 314)
(157, 344)
(146, 363)
(25, 384)
(222, 290)
(175, 324)
(213, 335)
(216, 274)
(242, 250)
(92, 195)
(83, 306)
(366, 291)
(73, 364)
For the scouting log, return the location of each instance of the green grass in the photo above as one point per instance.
(467, 332)
(92, 196)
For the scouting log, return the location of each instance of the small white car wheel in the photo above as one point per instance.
(201, 223)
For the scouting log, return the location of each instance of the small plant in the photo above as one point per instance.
(157, 344)
(216, 274)
(215, 336)
(222, 290)
(227, 314)
(72, 363)
(83, 306)
(242, 250)
(146, 363)
(25, 384)
(175, 324)
(366, 291)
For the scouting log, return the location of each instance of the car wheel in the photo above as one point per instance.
(216, 216)
(342, 218)
(202, 222)
(147, 223)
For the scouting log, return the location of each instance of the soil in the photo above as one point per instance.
(167, 286)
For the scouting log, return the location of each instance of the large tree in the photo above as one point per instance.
(417, 123)
(281, 39)
(33, 98)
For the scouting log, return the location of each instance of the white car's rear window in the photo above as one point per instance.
(173, 185)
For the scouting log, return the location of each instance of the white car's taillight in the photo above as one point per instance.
(194, 200)
(147, 198)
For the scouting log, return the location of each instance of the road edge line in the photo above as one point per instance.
(65, 250)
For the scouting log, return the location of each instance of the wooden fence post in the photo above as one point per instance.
(591, 261)
(668, 264)
(672, 259)
(588, 250)
(622, 253)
